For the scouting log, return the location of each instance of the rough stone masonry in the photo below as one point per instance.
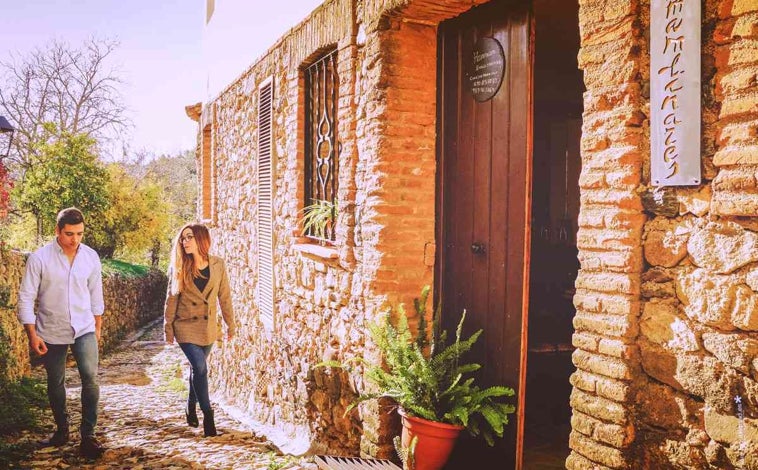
(666, 329)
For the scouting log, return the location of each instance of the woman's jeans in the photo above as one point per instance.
(86, 355)
(198, 380)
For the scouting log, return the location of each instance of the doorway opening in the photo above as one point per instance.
(558, 90)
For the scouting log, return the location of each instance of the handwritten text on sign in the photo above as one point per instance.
(675, 92)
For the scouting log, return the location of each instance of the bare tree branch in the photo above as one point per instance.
(62, 84)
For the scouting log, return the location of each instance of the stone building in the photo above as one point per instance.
(501, 152)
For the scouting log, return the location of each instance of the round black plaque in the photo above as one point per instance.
(486, 68)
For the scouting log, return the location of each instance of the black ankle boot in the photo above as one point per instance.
(59, 438)
(91, 447)
(209, 426)
(190, 412)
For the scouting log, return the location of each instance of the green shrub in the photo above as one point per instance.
(7, 361)
(21, 405)
(12, 453)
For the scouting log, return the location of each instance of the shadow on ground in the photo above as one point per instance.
(142, 423)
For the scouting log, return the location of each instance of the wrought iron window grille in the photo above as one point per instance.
(321, 144)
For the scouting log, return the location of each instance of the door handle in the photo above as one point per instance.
(478, 248)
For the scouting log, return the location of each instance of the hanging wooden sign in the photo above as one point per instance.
(486, 68)
(675, 92)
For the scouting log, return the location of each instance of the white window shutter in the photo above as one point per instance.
(265, 205)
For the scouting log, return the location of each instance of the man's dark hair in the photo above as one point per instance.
(69, 216)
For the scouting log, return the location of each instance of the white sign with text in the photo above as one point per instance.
(675, 92)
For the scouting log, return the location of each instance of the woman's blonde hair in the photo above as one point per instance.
(183, 269)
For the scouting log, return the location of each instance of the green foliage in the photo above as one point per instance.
(427, 377)
(171, 204)
(20, 232)
(178, 176)
(112, 266)
(135, 217)
(407, 456)
(5, 297)
(318, 218)
(172, 378)
(21, 401)
(147, 201)
(65, 173)
(280, 462)
(6, 359)
(13, 452)
(21, 405)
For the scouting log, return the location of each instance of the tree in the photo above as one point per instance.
(178, 173)
(177, 177)
(136, 218)
(64, 85)
(68, 173)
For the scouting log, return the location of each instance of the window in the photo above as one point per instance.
(206, 175)
(321, 145)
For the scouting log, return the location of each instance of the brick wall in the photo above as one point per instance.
(386, 116)
(614, 148)
(666, 324)
(735, 130)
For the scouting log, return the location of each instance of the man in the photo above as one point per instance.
(65, 278)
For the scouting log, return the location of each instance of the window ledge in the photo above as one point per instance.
(323, 252)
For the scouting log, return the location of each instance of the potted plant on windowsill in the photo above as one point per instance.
(318, 220)
(432, 387)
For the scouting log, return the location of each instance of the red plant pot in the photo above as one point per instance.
(434, 442)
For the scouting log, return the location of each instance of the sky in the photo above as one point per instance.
(160, 57)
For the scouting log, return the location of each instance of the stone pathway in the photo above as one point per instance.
(141, 422)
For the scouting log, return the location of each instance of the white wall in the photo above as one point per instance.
(240, 31)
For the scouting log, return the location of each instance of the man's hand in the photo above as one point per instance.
(36, 343)
(98, 327)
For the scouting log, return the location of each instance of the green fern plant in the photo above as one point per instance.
(318, 217)
(428, 378)
(407, 456)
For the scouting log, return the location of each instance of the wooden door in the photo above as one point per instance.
(484, 173)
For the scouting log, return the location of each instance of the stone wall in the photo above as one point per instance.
(667, 312)
(384, 248)
(267, 374)
(130, 302)
(14, 353)
(665, 329)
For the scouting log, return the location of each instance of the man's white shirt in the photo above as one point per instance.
(69, 294)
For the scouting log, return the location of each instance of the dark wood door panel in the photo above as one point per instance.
(483, 198)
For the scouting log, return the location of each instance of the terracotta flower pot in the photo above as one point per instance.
(434, 443)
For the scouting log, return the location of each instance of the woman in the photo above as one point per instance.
(197, 282)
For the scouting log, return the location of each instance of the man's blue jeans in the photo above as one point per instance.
(86, 355)
(198, 380)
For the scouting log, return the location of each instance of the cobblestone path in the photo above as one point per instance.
(141, 422)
